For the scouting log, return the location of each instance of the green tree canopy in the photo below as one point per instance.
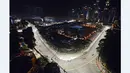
(109, 50)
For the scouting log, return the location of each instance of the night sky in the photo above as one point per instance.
(55, 7)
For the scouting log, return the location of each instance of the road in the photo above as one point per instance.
(81, 62)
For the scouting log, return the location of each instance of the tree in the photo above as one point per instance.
(14, 42)
(116, 22)
(99, 26)
(42, 61)
(24, 23)
(20, 64)
(109, 50)
(51, 68)
(29, 37)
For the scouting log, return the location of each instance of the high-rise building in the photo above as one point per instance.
(89, 14)
(106, 12)
(96, 11)
(112, 15)
(86, 12)
(74, 13)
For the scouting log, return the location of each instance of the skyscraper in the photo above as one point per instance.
(106, 12)
(73, 13)
(112, 15)
(96, 10)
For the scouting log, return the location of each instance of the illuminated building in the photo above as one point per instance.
(96, 11)
(86, 11)
(112, 15)
(74, 13)
(106, 13)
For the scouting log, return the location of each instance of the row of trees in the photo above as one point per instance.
(109, 50)
(14, 42)
(99, 26)
(23, 64)
(28, 36)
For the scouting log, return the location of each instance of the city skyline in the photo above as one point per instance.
(57, 8)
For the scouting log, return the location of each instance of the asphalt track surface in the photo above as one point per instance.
(81, 62)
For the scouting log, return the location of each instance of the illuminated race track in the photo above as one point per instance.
(81, 62)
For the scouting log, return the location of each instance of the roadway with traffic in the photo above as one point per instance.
(81, 62)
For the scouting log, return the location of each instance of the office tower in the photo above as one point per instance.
(112, 15)
(96, 9)
(106, 12)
